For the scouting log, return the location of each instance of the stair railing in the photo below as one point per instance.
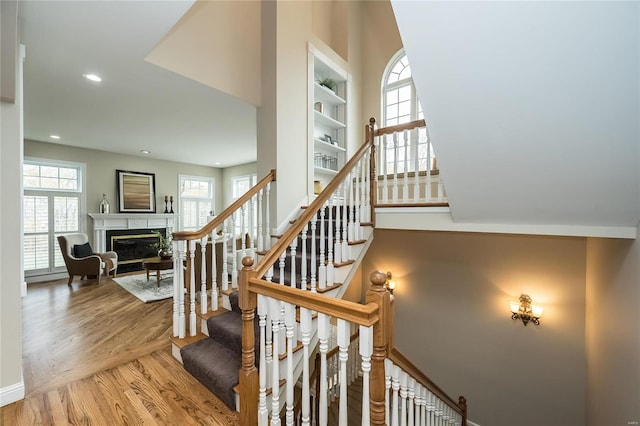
(241, 229)
(407, 174)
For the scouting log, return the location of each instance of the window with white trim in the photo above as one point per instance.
(239, 186)
(53, 200)
(196, 201)
(400, 105)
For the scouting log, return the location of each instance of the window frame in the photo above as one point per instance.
(253, 179)
(51, 193)
(181, 199)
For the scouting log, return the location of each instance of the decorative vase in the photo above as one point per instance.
(104, 204)
(165, 253)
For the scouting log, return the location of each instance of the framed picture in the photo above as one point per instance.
(136, 192)
(327, 139)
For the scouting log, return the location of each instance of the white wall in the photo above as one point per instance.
(453, 320)
(11, 383)
(529, 102)
(613, 332)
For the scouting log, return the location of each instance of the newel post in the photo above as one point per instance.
(373, 177)
(462, 403)
(379, 295)
(248, 373)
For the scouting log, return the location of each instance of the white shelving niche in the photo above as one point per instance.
(328, 118)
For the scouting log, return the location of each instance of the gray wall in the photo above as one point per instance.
(101, 173)
(613, 332)
(453, 320)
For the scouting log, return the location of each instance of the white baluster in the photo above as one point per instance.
(305, 328)
(281, 262)
(177, 287)
(418, 405)
(289, 320)
(323, 337)
(388, 371)
(322, 270)
(274, 312)
(214, 273)
(337, 248)
(267, 222)
(352, 202)
(203, 274)
(411, 384)
(366, 350)
(346, 252)
(181, 318)
(303, 265)
(415, 140)
(260, 213)
(363, 180)
(383, 162)
(367, 187)
(234, 248)
(395, 168)
(343, 344)
(293, 247)
(263, 412)
(330, 274)
(430, 409)
(356, 227)
(253, 228)
(403, 398)
(225, 268)
(314, 266)
(395, 387)
(192, 288)
(405, 180)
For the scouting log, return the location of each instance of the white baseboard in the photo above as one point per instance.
(11, 393)
(470, 423)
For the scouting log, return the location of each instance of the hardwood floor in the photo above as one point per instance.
(96, 355)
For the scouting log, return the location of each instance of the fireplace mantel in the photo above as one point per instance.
(103, 222)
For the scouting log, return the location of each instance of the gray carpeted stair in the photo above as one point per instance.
(216, 360)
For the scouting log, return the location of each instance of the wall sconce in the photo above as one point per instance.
(391, 283)
(525, 311)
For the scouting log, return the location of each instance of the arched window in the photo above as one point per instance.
(400, 105)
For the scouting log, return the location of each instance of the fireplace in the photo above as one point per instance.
(130, 235)
(133, 246)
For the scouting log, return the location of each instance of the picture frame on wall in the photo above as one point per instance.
(136, 191)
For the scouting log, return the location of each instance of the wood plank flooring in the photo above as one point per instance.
(96, 355)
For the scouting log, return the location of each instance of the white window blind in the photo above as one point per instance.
(195, 200)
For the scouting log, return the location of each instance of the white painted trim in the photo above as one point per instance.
(439, 219)
(470, 423)
(23, 289)
(295, 212)
(12, 393)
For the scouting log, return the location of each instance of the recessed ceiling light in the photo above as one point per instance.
(93, 77)
(144, 151)
(56, 137)
(218, 163)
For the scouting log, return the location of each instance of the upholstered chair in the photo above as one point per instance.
(80, 259)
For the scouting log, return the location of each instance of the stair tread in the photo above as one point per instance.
(187, 340)
(210, 314)
(326, 289)
(215, 366)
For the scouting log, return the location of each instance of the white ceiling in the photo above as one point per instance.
(138, 105)
(533, 107)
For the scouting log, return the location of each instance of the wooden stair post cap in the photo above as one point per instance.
(378, 278)
(247, 261)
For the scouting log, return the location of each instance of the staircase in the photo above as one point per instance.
(284, 304)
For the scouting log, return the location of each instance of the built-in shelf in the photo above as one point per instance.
(324, 146)
(327, 121)
(324, 171)
(327, 96)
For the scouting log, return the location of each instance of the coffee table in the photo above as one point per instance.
(157, 264)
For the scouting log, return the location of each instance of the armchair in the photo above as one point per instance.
(91, 265)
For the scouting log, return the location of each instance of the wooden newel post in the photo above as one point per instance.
(462, 403)
(373, 177)
(379, 295)
(248, 373)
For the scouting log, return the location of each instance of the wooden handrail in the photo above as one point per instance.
(218, 220)
(401, 361)
(283, 242)
(399, 127)
(350, 311)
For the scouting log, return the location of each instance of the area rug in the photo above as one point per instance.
(148, 291)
